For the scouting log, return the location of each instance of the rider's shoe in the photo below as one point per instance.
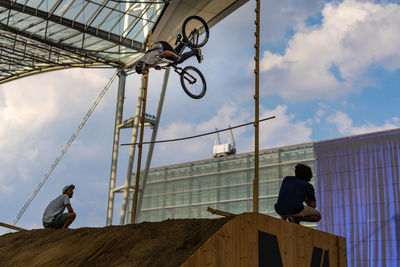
(199, 55)
(178, 39)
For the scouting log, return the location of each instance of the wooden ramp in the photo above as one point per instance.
(254, 239)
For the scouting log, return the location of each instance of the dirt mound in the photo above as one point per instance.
(167, 243)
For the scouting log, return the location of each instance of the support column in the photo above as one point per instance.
(153, 139)
(256, 98)
(140, 146)
(118, 120)
(132, 154)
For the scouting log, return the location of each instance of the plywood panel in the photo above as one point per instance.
(237, 244)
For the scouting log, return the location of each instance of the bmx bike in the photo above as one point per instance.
(195, 34)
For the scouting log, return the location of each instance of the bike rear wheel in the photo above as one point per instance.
(193, 82)
(195, 31)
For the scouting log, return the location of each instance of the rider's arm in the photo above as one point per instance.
(168, 53)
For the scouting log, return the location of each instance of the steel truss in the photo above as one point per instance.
(43, 35)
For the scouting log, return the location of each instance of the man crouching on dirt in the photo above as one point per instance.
(53, 216)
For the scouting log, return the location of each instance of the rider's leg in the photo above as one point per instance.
(179, 47)
(186, 56)
(196, 52)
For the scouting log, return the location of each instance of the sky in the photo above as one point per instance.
(328, 69)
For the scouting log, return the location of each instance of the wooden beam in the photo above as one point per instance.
(12, 227)
(220, 212)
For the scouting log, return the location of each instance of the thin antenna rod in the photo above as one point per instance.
(219, 140)
(233, 139)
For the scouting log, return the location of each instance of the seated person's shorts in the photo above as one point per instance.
(307, 211)
(57, 221)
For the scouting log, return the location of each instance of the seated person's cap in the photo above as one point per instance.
(68, 186)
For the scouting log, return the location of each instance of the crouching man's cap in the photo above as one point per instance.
(68, 186)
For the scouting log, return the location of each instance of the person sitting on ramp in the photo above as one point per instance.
(53, 216)
(294, 191)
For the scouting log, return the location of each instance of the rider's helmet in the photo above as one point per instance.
(139, 67)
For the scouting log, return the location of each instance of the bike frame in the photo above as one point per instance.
(192, 36)
(178, 70)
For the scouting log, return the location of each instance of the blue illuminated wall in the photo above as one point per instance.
(357, 180)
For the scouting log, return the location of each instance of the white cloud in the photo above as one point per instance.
(198, 148)
(282, 130)
(31, 108)
(270, 60)
(321, 112)
(330, 62)
(6, 188)
(345, 124)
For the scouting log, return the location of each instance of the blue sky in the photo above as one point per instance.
(329, 69)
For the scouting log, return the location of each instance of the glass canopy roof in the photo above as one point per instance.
(42, 35)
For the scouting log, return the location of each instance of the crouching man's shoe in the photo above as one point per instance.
(292, 219)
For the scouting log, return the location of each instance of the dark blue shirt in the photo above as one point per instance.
(294, 191)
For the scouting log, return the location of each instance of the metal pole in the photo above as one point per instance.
(145, 77)
(131, 154)
(256, 98)
(140, 145)
(153, 138)
(118, 120)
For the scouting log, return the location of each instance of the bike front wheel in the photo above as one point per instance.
(193, 82)
(195, 31)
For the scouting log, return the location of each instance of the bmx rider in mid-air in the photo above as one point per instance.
(163, 50)
(161, 55)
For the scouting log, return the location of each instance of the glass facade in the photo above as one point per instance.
(186, 190)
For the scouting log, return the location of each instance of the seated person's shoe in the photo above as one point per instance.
(199, 55)
(295, 220)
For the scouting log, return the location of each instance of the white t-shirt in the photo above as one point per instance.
(151, 57)
(55, 207)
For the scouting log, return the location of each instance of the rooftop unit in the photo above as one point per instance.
(222, 150)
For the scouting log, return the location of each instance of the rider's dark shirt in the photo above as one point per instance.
(166, 46)
(294, 191)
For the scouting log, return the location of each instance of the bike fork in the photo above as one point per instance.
(187, 76)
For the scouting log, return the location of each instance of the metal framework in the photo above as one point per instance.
(43, 35)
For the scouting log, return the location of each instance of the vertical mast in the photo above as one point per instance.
(256, 98)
